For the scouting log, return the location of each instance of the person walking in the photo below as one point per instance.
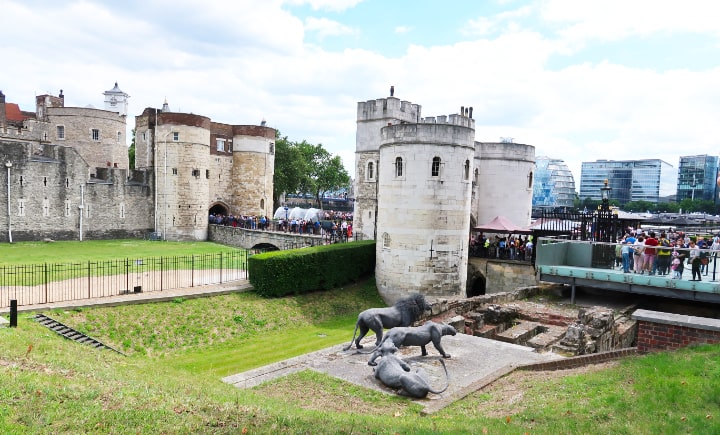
(694, 260)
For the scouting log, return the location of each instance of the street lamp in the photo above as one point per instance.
(605, 195)
(8, 165)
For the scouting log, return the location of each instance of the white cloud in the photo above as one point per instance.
(402, 29)
(324, 27)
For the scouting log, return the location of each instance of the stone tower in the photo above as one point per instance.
(424, 198)
(253, 169)
(182, 159)
(116, 100)
(372, 116)
(503, 182)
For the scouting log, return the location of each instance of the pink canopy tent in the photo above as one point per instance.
(501, 224)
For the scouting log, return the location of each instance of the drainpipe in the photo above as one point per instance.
(81, 207)
(8, 165)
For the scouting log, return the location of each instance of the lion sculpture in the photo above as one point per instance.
(417, 336)
(397, 374)
(404, 312)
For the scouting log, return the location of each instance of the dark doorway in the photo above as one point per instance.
(478, 287)
(219, 209)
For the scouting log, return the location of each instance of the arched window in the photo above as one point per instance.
(467, 170)
(386, 240)
(262, 204)
(398, 167)
(370, 170)
(435, 171)
(530, 180)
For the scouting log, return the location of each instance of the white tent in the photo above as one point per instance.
(297, 213)
(280, 213)
(313, 214)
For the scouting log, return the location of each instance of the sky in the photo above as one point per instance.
(579, 80)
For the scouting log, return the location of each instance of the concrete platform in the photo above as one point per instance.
(474, 363)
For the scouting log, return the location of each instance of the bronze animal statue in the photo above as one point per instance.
(417, 336)
(403, 313)
(397, 374)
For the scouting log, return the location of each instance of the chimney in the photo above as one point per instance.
(471, 112)
(3, 115)
(392, 91)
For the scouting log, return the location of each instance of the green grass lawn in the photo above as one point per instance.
(178, 351)
(98, 250)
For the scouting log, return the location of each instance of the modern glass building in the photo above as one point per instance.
(630, 180)
(697, 178)
(554, 185)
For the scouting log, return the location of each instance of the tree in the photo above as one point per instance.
(131, 151)
(289, 168)
(301, 167)
(324, 172)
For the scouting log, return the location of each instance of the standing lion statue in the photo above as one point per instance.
(405, 312)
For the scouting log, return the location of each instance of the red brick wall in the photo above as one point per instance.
(659, 336)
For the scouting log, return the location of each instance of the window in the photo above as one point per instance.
(176, 136)
(386, 240)
(220, 144)
(119, 137)
(196, 172)
(207, 173)
(67, 208)
(370, 170)
(398, 167)
(174, 171)
(95, 134)
(435, 171)
(467, 170)
(272, 148)
(144, 136)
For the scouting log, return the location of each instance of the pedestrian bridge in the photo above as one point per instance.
(261, 239)
(591, 264)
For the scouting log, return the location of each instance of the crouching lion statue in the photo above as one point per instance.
(417, 336)
(396, 373)
(403, 313)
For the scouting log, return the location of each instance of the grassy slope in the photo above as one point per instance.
(178, 351)
(170, 384)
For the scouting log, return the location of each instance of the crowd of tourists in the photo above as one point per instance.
(512, 247)
(335, 227)
(667, 254)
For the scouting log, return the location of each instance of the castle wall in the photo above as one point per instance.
(47, 186)
(423, 219)
(504, 182)
(111, 147)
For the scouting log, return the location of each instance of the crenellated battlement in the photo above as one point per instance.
(454, 119)
(388, 108)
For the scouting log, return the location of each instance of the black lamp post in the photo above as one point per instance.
(605, 196)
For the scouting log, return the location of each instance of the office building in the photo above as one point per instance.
(630, 180)
(554, 185)
(697, 178)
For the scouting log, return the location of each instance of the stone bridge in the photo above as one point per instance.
(261, 240)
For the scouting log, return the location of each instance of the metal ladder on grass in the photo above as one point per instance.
(72, 334)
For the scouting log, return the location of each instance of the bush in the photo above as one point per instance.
(297, 271)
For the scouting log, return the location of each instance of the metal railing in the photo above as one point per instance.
(57, 282)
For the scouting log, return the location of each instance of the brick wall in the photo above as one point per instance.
(665, 331)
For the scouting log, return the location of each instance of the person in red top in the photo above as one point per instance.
(650, 254)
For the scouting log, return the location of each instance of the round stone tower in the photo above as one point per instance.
(182, 162)
(504, 182)
(372, 116)
(424, 201)
(253, 169)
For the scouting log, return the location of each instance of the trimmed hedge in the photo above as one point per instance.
(304, 270)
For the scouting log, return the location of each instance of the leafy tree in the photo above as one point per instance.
(289, 168)
(302, 167)
(131, 151)
(324, 172)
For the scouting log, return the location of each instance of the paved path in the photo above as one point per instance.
(475, 362)
(140, 298)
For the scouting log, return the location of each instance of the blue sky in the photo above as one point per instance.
(579, 80)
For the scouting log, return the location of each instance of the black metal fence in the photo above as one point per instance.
(57, 282)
